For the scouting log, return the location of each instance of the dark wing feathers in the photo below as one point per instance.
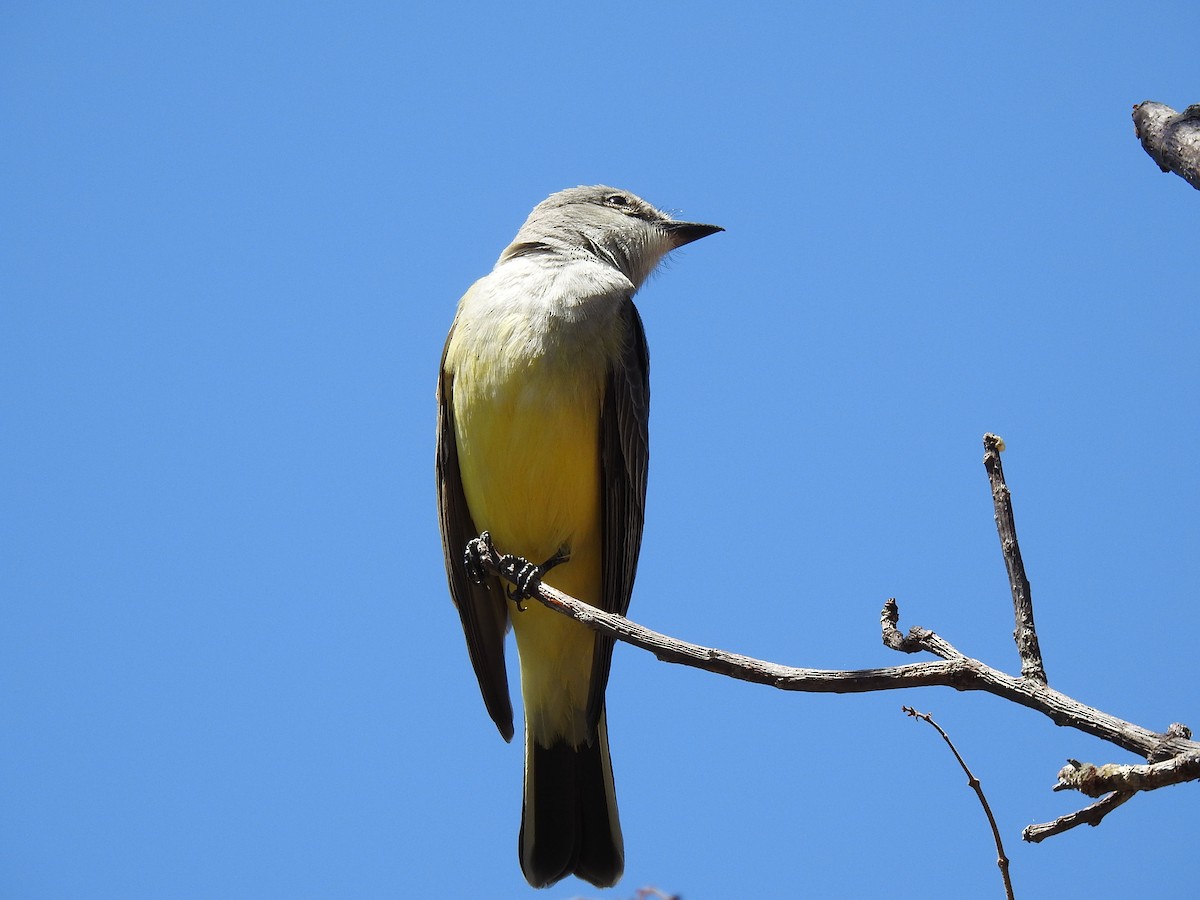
(625, 455)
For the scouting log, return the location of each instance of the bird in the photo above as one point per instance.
(543, 409)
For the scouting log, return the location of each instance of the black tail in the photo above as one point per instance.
(569, 819)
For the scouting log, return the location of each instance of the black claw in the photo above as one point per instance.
(524, 573)
(528, 579)
(527, 576)
(477, 550)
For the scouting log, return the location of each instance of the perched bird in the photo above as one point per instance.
(543, 403)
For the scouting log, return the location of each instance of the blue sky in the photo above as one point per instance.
(234, 238)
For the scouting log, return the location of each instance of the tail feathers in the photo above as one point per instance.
(569, 820)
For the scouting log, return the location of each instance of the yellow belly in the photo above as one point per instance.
(529, 456)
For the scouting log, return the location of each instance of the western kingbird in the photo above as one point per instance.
(543, 404)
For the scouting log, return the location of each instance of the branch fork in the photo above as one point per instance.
(1172, 757)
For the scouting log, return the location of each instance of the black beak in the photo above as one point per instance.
(682, 233)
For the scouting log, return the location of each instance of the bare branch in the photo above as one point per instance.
(1089, 815)
(1172, 139)
(1001, 858)
(1094, 781)
(1163, 751)
(917, 639)
(1173, 757)
(1025, 634)
(954, 670)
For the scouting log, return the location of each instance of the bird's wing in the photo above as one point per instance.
(625, 454)
(481, 607)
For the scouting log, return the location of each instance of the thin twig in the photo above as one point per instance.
(1001, 857)
(1024, 633)
(953, 670)
(1173, 755)
(1089, 815)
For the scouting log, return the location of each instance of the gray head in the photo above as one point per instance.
(614, 226)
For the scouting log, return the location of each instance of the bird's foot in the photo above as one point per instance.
(478, 549)
(527, 576)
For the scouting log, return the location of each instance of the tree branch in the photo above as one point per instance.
(955, 670)
(1122, 781)
(1094, 781)
(1172, 139)
(1173, 756)
(1089, 815)
(1024, 633)
(1001, 857)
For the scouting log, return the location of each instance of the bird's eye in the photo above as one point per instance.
(620, 201)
